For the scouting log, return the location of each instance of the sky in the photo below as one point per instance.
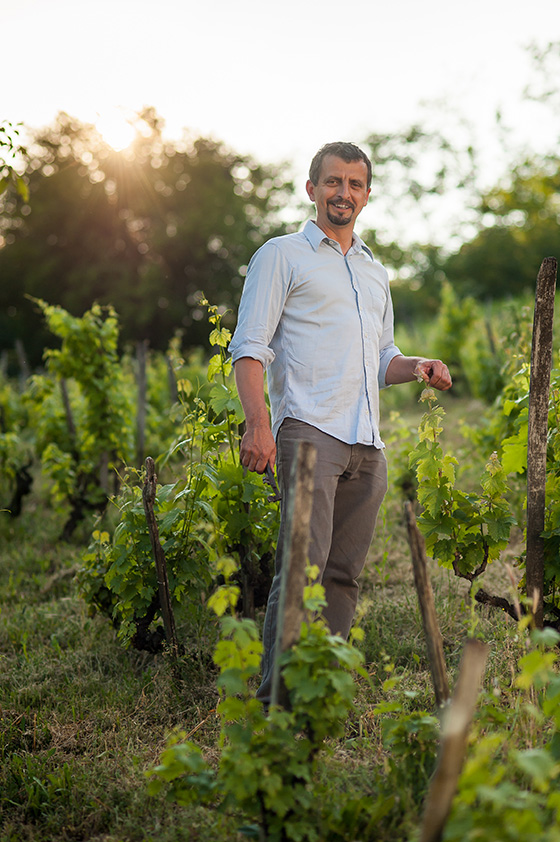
(276, 80)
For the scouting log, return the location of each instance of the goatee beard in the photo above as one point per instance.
(335, 219)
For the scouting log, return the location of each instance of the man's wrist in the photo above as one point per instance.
(257, 423)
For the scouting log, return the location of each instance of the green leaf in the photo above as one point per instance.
(220, 337)
(539, 765)
(433, 498)
(221, 398)
(223, 598)
(499, 529)
(442, 525)
(214, 366)
(22, 188)
(546, 637)
(514, 452)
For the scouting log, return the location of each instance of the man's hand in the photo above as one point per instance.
(404, 369)
(434, 373)
(258, 448)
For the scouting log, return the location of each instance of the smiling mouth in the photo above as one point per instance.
(342, 206)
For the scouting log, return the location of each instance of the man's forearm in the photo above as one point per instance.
(405, 369)
(258, 447)
(249, 378)
(401, 370)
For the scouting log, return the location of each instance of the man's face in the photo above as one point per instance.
(341, 192)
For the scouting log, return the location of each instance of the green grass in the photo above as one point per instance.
(81, 720)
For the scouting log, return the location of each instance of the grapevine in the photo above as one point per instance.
(213, 511)
(463, 531)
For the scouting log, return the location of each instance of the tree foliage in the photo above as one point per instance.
(143, 230)
(518, 228)
(11, 150)
(487, 241)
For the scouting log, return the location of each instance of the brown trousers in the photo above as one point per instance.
(350, 483)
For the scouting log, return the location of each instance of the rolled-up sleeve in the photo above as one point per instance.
(262, 302)
(387, 348)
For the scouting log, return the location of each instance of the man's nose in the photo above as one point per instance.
(344, 190)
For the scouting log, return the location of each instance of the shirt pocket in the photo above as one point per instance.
(377, 302)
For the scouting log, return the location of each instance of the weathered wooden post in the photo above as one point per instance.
(455, 728)
(539, 390)
(171, 380)
(434, 643)
(68, 414)
(24, 369)
(294, 560)
(148, 498)
(141, 360)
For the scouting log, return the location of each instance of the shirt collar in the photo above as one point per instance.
(316, 235)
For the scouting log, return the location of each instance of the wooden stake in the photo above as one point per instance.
(434, 643)
(148, 498)
(456, 723)
(171, 380)
(294, 560)
(539, 389)
(68, 414)
(141, 359)
(25, 373)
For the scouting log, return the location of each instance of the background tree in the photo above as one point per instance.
(11, 153)
(487, 240)
(144, 230)
(424, 187)
(518, 227)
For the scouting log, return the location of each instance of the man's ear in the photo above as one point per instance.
(310, 187)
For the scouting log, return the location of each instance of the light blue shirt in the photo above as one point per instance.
(321, 324)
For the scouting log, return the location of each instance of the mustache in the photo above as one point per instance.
(350, 205)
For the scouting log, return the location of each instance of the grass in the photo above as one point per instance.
(81, 719)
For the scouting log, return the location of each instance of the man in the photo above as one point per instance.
(316, 313)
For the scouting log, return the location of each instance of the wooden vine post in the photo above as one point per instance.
(434, 643)
(455, 728)
(148, 498)
(457, 713)
(294, 561)
(539, 390)
(141, 380)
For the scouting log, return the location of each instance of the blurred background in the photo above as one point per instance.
(147, 150)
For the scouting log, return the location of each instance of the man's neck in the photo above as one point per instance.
(344, 235)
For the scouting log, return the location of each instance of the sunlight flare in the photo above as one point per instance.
(116, 127)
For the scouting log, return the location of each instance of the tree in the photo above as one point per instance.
(519, 226)
(10, 151)
(503, 232)
(419, 173)
(145, 230)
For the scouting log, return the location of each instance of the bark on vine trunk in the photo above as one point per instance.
(539, 389)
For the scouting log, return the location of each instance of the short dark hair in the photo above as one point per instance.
(342, 149)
